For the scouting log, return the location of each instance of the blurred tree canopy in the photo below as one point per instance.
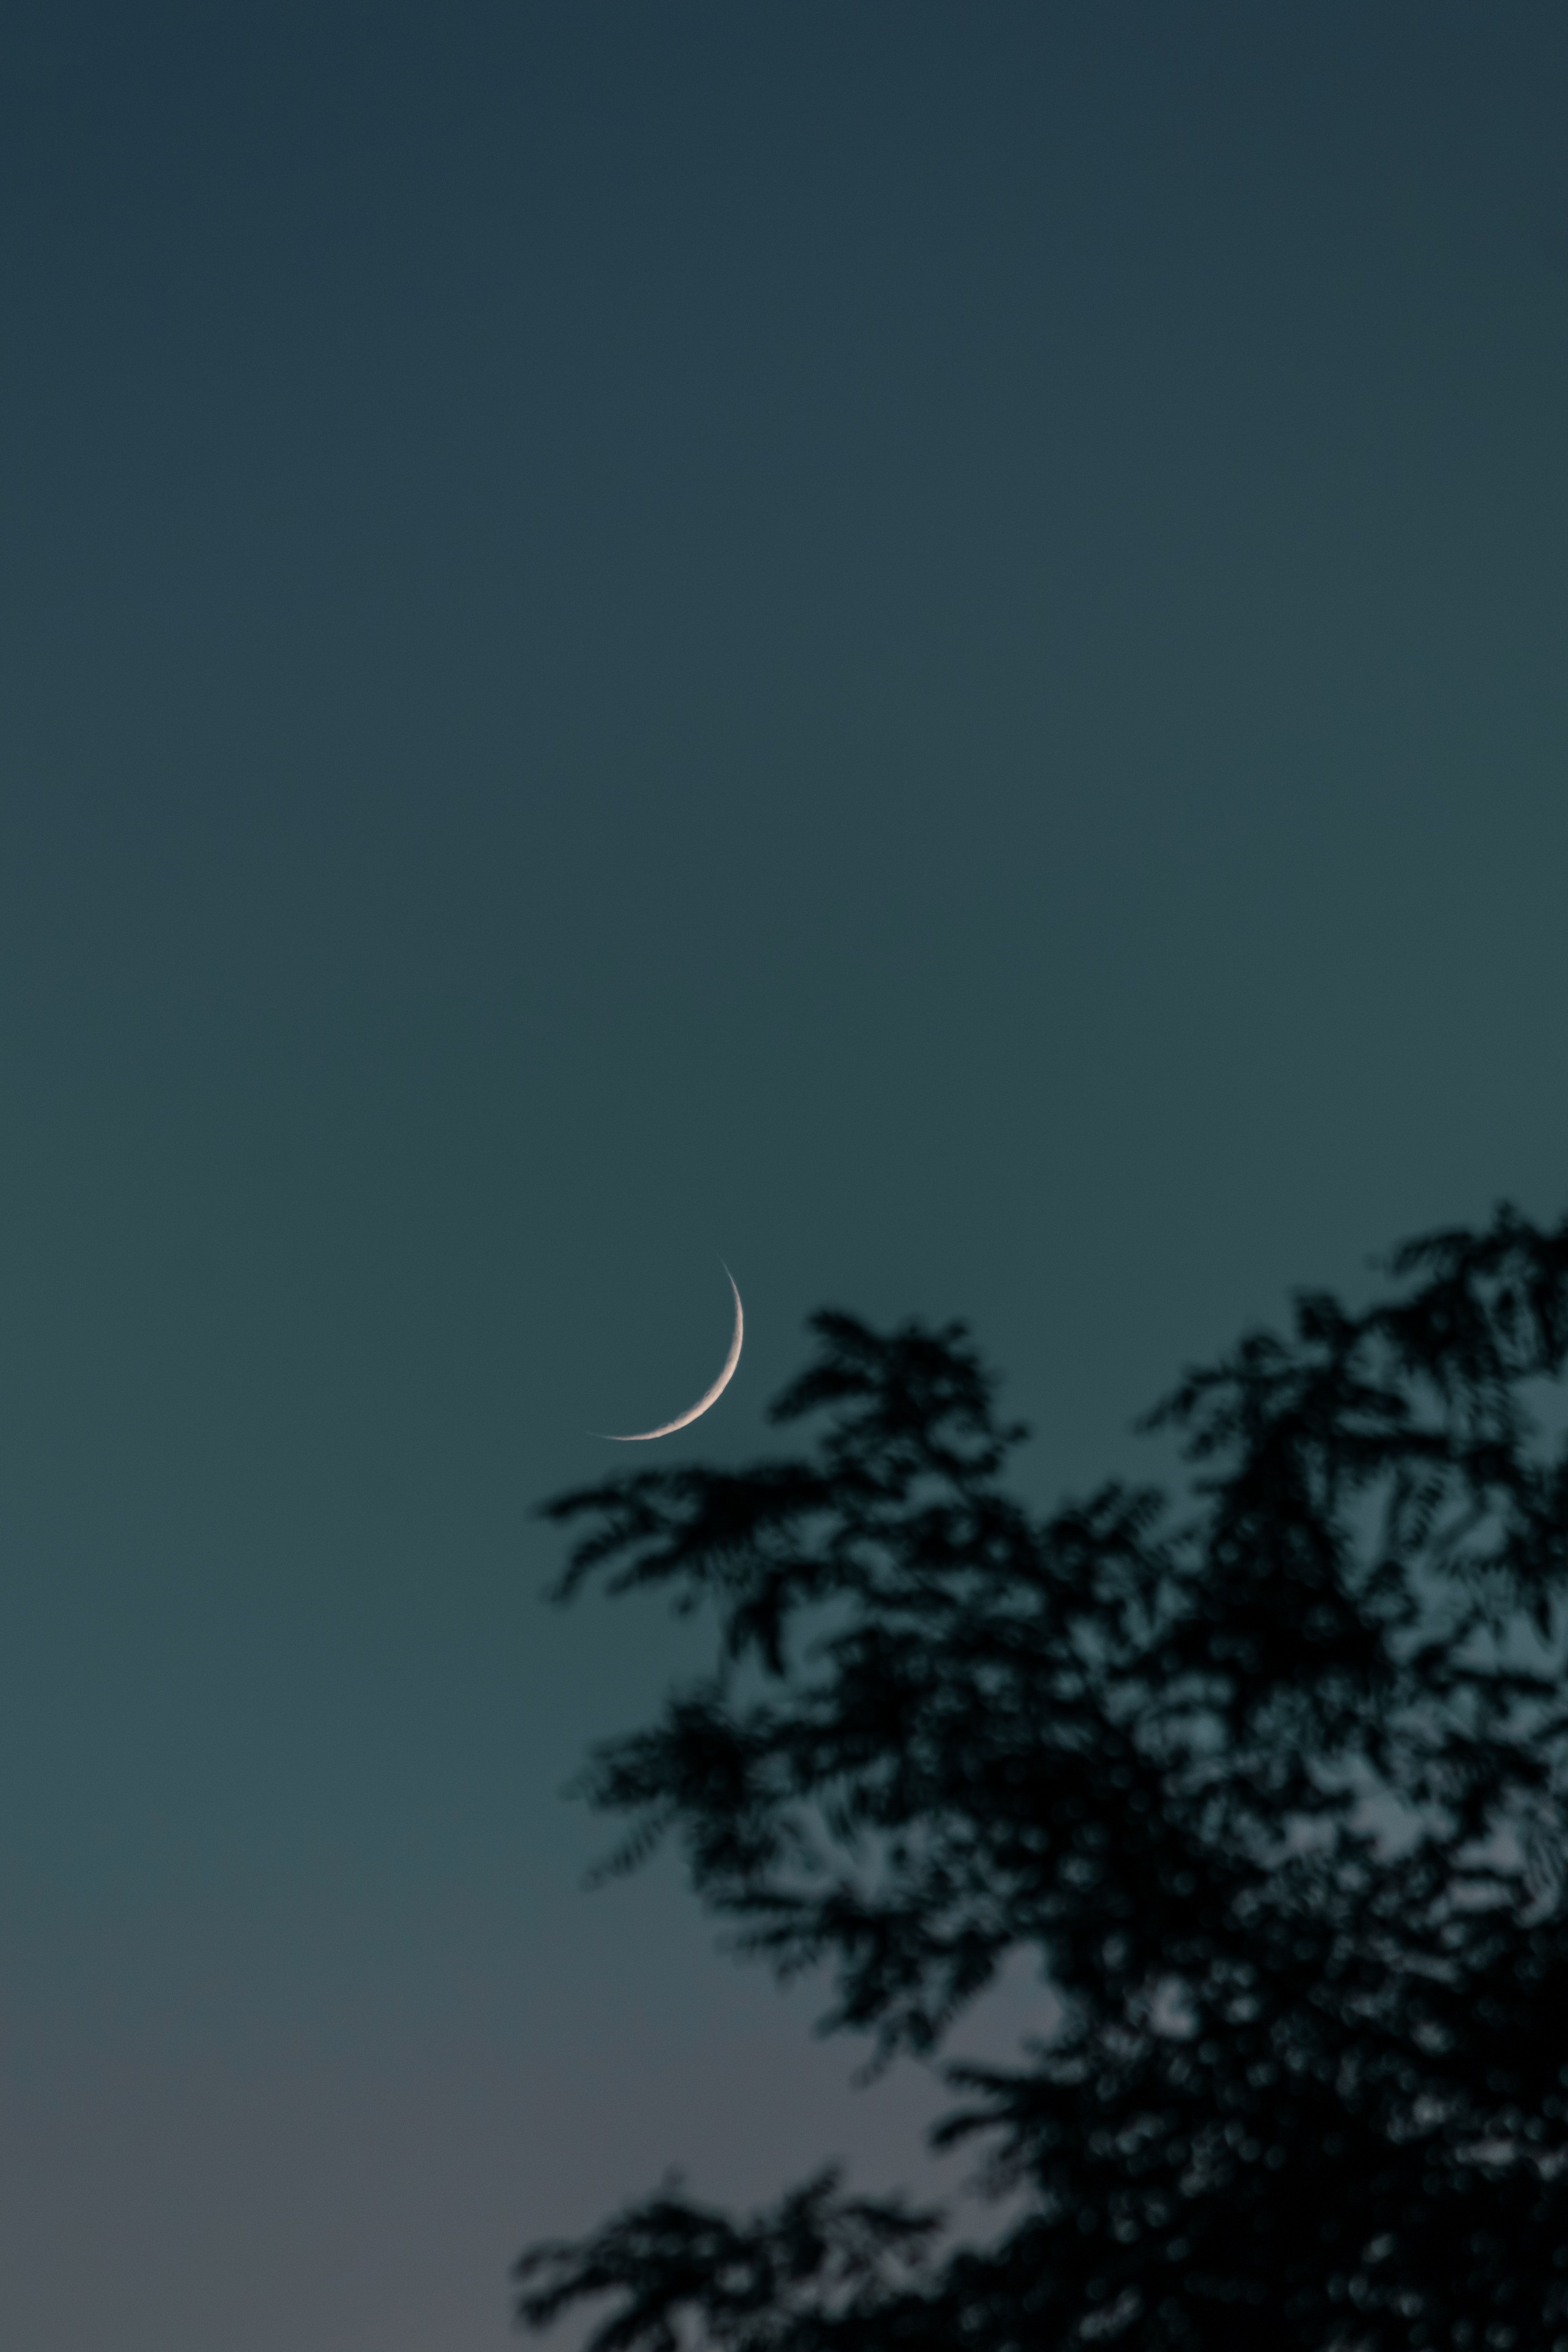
(1266, 1776)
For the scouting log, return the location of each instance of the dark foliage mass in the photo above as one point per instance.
(1268, 1778)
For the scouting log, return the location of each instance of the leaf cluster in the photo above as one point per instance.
(1266, 1779)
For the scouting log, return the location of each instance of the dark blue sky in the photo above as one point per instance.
(918, 645)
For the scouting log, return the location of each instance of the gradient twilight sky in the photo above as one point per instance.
(923, 646)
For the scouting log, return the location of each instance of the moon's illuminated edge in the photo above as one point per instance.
(708, 1396)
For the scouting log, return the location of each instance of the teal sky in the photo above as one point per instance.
(919, 646)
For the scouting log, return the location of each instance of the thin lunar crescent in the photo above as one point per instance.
(708, 1396)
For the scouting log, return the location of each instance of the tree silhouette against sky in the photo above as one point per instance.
(1266, 1779)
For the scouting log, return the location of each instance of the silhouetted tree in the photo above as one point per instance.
(1269, 1781)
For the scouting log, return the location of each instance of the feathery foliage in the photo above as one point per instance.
(1268, 1780)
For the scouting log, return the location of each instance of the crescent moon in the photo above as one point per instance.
(708, 1396)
